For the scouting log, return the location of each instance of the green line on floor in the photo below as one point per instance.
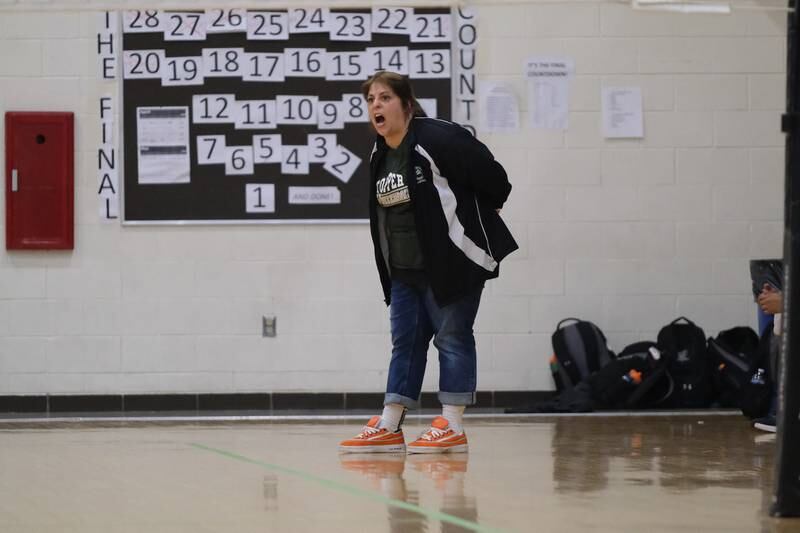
(355, 491)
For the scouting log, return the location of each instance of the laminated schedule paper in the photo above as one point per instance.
(163, 145)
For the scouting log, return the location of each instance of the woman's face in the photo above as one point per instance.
(387, 114)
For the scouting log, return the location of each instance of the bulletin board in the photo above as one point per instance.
(240, 116)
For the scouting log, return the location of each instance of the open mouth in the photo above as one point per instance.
(379, 119)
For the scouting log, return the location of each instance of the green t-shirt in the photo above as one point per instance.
(393, 196)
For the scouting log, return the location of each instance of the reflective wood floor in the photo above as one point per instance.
(577, 473)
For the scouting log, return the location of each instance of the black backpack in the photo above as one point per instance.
(580, 349)
(683, 345)
(636, 379)
(733, 354)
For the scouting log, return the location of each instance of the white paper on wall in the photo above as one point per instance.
(309, 20)
(350, 27)
(224, 62)
(548, 91)
(354, 107)
(211, 149)
(344, 66)
(294, 159)
(163, 144)
(342, 163)
(304, 62)
(499, 110)
(321, 147)
(138, 21)
(260, 198)
(393, 20)
(108, 110)
(267, 26)
(315, 195)
(394, 58)
(430, 106)
(109, 208)
(238, 160)
(107, 170)
(226, 20)
(184, 26)
(464, 97)
(108, 42)
(254, 114)
(143, 64)
(432, 28)
(183, 71)
(108, 181)
(213, 108)
(330, 115)
(622, 112)
(429, 64)
(263, 67)
(296, 109)
(267, 148)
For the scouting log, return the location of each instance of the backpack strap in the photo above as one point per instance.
(567, 320)
(567, 365)
(660, 372)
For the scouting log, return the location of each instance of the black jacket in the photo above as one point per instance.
(456, 187)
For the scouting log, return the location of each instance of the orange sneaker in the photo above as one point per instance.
(440, 438)
(373, 439)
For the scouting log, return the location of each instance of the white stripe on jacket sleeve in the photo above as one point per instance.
(455, 229)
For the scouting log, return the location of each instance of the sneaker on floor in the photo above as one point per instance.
(766, 423)
(374, 439)
(440, 438)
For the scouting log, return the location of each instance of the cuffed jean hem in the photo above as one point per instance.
(405, 401)
(457, 398)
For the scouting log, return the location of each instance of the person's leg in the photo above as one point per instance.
(769, 422)
(455, 341)
(411, 333)
(764, 321)
(393, 416)
(454, 414)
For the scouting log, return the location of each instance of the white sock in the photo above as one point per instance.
(392, 416)
(454, 414)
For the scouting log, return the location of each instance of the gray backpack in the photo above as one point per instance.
(580, 349)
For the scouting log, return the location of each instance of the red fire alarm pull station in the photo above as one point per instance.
(39, 181)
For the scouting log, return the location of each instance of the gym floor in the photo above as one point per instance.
(688, 472)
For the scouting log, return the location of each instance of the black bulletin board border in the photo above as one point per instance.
(211, 197)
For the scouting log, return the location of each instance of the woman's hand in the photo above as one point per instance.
(770, 300)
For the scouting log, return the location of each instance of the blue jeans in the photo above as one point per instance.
(416, 318)
(764, 321)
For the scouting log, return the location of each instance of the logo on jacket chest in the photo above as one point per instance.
(420, 175)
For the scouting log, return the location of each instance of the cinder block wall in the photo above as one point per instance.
(627, 233)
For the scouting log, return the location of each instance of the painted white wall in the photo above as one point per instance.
(627, 233)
